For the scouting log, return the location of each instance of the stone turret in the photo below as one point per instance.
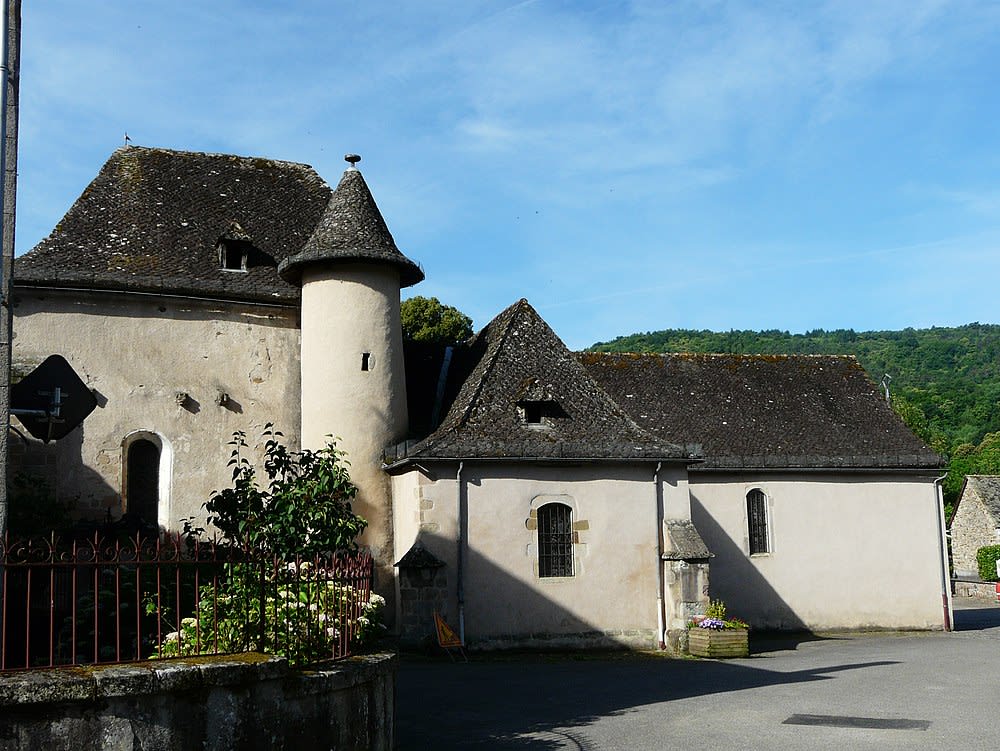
(353, 381)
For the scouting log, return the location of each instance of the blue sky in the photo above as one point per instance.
(626, 166)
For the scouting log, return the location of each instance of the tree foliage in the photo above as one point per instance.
(426, 319)
(305, 508)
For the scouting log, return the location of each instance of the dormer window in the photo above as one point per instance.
(540, 413)
(232, 257)
(234, 248)
(537, 405)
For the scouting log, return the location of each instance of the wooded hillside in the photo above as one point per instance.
(945, 381)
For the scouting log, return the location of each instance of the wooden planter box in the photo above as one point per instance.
(707, 642)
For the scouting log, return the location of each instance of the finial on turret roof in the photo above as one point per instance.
(353, 159)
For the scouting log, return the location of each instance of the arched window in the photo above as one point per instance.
(555, 540)
(142, 476)
(757, 527)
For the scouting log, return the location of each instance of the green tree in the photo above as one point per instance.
(305, 508)
(426, 319)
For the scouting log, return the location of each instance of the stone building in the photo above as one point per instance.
(975, 522)
(529, 493)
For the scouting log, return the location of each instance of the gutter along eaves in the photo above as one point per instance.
(279, 302)
(418, 460)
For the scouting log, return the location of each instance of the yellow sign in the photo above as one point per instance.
(445, 634)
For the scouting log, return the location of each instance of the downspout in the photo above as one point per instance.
(943, 549)
(461, 553)
(5, 339)
(660, 616)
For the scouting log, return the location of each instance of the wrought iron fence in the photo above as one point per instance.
(126, 600)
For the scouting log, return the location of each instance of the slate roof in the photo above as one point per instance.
(762, 411)
(351, 229)
(683, 543)
(987, 488)
(152, 219)
(518, 358)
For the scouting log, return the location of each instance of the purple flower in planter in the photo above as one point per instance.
(713, 623)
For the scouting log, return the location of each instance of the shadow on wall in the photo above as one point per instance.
(60, 466)
(502, 611)
(735, 580)
(537, 703)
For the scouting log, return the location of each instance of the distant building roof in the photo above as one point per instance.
(153, 220)
(987, 488)
(522, 394)
(762, 411)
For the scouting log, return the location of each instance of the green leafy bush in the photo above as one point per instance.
(304, 510)
(299, 609)
(987, 557)
(306, 615)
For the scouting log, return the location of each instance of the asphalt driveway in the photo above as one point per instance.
(884, 691)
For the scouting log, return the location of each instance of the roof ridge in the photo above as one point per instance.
(243, 157)
(745, 355)
(492, 359)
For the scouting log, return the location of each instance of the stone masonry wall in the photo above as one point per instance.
(971, 529)
(421, 591)
(233, 703)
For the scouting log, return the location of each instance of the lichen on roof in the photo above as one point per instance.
(151, 219)
(518, 354)
(351, 230)
(762, 410)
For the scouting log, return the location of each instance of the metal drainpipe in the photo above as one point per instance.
(461, 553)
(660, 617)
(5, 376)
(943, 549)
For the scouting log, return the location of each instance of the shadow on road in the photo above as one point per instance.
(976, 618)
(527, 705)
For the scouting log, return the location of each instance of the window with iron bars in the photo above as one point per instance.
(555, 540)
(760, 541)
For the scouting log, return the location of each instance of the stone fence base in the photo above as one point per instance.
(979, 590)
(237, 702)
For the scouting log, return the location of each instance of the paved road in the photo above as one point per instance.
(884, 691)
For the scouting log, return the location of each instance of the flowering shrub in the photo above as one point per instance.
(308, 615)
(715, 619)
(302, 610)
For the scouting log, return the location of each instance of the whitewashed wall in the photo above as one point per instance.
(613, 592)
(137, 353)
(847, 551)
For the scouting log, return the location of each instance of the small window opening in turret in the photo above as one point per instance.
(366, 361)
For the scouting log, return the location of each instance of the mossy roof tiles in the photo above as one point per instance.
(351, 229)
(152, 219)
(763, 411)
(515, 355)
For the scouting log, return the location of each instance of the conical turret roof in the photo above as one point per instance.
(351, 230)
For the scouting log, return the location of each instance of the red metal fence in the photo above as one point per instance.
(126, 600)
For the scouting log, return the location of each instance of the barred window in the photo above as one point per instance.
(555, 540)
(760, 541)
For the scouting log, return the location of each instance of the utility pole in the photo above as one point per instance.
(10, 66)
